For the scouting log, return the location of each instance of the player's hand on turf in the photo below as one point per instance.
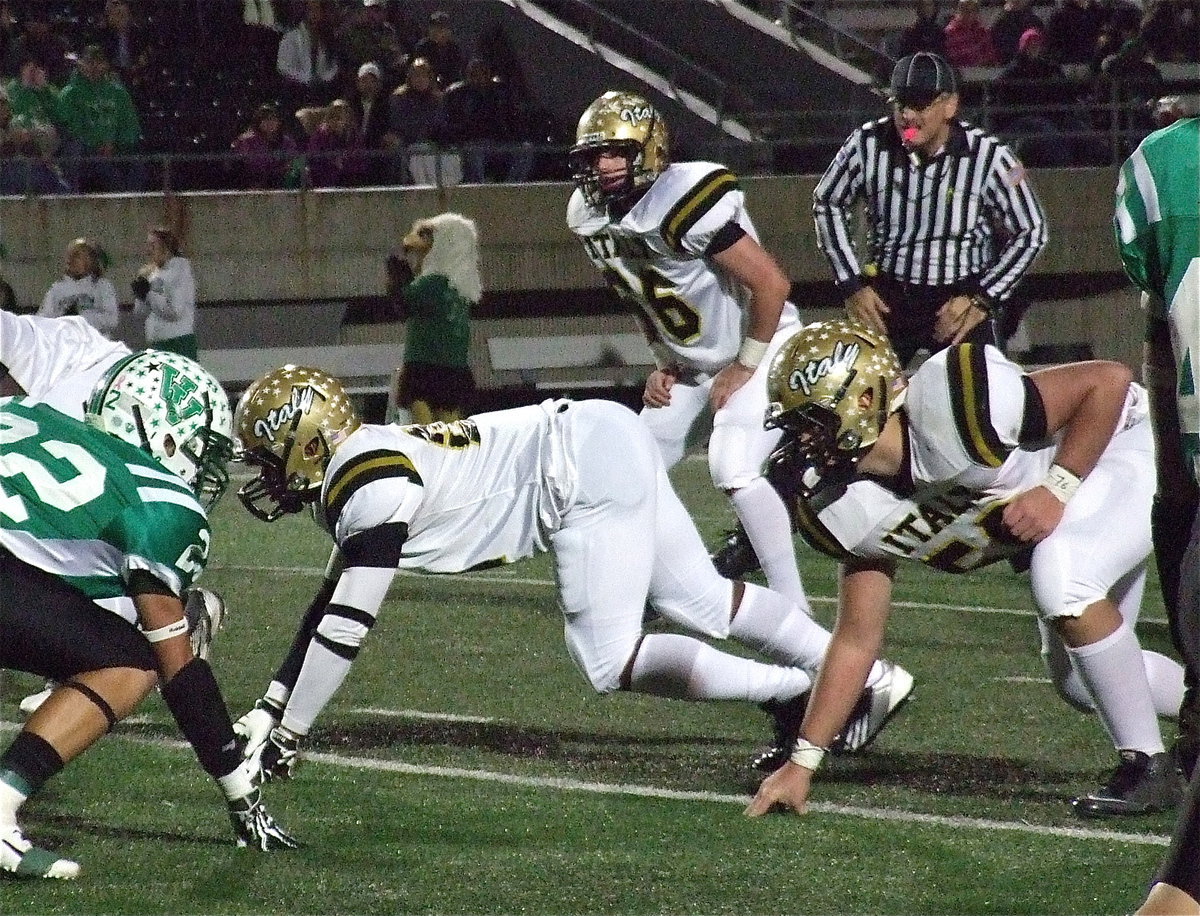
(787, 787)
(280, 754)
(254, 825)
(254, 727)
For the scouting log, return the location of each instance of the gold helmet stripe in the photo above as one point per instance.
(362, 470)
(690, 208)
(814, 532)
(968, 376)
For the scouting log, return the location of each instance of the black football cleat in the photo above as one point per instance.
(786, 716)
(735, 558)
(1140, 784)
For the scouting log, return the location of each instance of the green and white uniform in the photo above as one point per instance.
(91, 509)
(1157, 222)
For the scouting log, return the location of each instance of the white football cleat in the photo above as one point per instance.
(30, 704)
(875, 708)
(22, 859)
(205, 613)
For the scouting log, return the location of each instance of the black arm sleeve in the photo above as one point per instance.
(727, 236)
(289, 670)
(1033, 424)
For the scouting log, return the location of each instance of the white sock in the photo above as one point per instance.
(671, 665)
(11, 800)
(1115, 675)
(769, 623)
(1166, 682)
(769, 527)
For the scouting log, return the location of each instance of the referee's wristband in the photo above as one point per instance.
(1061, 482)
(806, 754)
(752, 352)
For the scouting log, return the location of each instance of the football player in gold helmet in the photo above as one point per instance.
(969, 462)
(584, 480)
(675, 241)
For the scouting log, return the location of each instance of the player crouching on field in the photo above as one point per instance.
(969, 462)
(103, 526)
(582, 480)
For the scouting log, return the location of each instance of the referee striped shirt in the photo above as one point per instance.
(967, 214)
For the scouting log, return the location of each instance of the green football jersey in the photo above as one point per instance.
(1157, 224)
(86, 507)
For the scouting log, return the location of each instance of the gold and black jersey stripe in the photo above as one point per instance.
(361, 470)
(815, 534)
(690, 208)
(967, 374)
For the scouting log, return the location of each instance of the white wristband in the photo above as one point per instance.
(1061, 482)
(177, 628)
(752, 352)
(806, 754)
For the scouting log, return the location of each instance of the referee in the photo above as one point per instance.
(953, 221)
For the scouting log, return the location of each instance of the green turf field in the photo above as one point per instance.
(465, 767)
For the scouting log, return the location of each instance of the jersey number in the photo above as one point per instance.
(653, 291)
(86, 484)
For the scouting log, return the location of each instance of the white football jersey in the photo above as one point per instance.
(655, 257)
(56, 360)
(969, 412)
(473, 493)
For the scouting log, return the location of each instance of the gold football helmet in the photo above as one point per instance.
(627, 124)
(832, 387)
(288, 424)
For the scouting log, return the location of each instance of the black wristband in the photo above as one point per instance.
(984, 303)
(195, 701)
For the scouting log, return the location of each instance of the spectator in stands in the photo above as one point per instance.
(31, 135)
(164, 294)
(1172, 29)
(126, 43)
(417, 124)
(1014, 21)
(968, 37)
(306, 59)
(83, 289)
(335, 150)
(38, 40)
(101, 125)
(927, 33)
(442, 50)
(1072, 31)
(1030, 93)
(265, 152)
(478, 119)
(368, 36)
(434, 287)
(1130, 81)
(369, 103)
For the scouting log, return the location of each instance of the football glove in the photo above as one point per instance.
(280, 754)
(254, 825)
(140, 286)
(254, 727)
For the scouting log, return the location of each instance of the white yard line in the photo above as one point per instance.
(573, 785)
(492, 576)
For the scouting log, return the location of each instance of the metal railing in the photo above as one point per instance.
(1099, 133)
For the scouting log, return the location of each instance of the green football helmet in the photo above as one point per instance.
(173, 409)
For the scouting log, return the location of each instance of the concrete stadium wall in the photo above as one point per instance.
(321, 245)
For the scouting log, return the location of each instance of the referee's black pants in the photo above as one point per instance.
(913, 316)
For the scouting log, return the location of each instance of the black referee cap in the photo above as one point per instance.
(920, 78)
